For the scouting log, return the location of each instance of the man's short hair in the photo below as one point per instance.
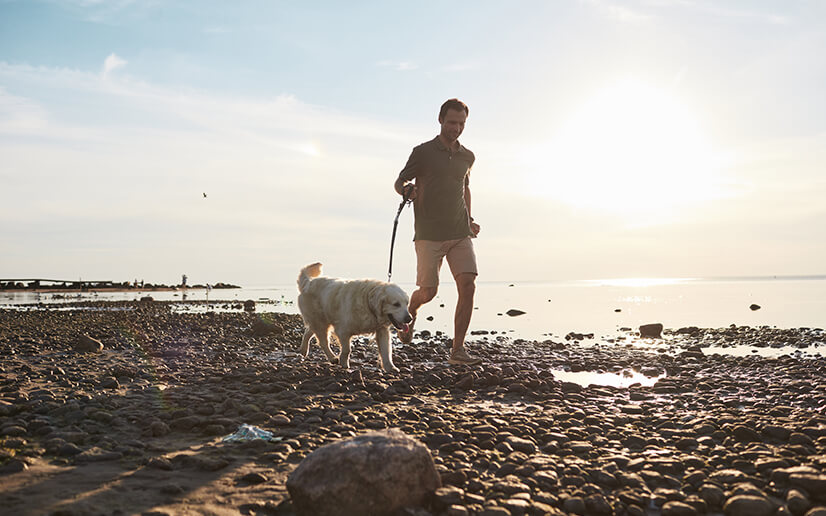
(454, 104)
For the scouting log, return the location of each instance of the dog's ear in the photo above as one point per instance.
(375, 300)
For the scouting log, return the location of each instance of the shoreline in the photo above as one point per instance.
(112, 289)
(136, 427)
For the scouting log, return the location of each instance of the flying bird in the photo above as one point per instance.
(204, 195)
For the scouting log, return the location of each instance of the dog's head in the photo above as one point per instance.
(389, 302)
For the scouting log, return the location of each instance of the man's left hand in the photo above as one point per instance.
(474, 228)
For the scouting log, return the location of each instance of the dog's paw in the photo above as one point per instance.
(391, 369)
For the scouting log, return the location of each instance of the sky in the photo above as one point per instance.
(238, 142)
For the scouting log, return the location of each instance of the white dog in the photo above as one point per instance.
(350, 307)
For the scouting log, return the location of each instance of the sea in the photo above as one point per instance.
(605, 312)
(546, 309)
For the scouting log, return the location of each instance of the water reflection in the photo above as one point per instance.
(624, 378)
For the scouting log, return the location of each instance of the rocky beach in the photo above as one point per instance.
(122, 408)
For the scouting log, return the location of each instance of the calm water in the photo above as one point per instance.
(552, 309)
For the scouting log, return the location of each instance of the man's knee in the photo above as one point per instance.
(426, 294)
(466, 283)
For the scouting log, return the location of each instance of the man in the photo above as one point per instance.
(436, 177)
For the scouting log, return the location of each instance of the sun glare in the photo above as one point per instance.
(638, 282)
(632, 151)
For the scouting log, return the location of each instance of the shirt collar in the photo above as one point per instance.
(441, 145)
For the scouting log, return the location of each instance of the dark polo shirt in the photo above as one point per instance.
(441, 176)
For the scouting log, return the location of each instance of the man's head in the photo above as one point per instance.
(452, 118)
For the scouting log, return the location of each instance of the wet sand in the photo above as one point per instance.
(136, 428)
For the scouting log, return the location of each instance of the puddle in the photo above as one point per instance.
(261, 307)
(814, 351)
(624, 378)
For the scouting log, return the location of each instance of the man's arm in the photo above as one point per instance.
(467, 200)
(407, 174)
(474, 227)
(399, 185)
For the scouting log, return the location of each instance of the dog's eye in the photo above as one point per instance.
(397, 304)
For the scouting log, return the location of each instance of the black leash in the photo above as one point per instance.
(405, 200)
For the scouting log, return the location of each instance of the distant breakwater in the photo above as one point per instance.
(51, 285)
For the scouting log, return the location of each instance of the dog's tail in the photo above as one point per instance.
(307, 273)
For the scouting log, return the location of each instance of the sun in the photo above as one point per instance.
(631, 151)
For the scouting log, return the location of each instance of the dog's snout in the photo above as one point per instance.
(407, 318)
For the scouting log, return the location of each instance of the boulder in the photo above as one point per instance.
(748, 505)
(814, 484)
(797, 502)
(654, 330)
(745, 434)
(261, 328)
(13, 466)
(376, 473)
(249, 305)
(86, 344)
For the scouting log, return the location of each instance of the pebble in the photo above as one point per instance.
(253, 478)
(748, 505)
(716, 433)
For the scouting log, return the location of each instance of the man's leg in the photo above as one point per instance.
(429, 255)
(466, 285)
(462, 261)
(421, 296)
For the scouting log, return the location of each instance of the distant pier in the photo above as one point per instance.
(43, 283)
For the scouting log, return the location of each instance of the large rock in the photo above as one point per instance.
(748, 505)
(86, 344)
(814, 484)
(654, 330)
(261, 328)
(372, 474)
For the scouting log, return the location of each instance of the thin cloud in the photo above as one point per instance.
(628, 13)
(112, 63)
(461, 67)
(399, 66)
(108, 12)
(620, 12)
(19, 115)
(283, 118)
(714, 9)
(770, 18)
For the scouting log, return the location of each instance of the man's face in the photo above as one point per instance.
(453, 123)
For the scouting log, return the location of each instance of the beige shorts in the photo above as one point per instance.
(429, 256)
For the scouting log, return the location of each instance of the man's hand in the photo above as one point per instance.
(409, 191)
(474, 228)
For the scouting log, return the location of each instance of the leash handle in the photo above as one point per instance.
(406, 191)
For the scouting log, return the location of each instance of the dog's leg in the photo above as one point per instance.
(324, 342)
(385, 350)
(344, 357)
(305, 343)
